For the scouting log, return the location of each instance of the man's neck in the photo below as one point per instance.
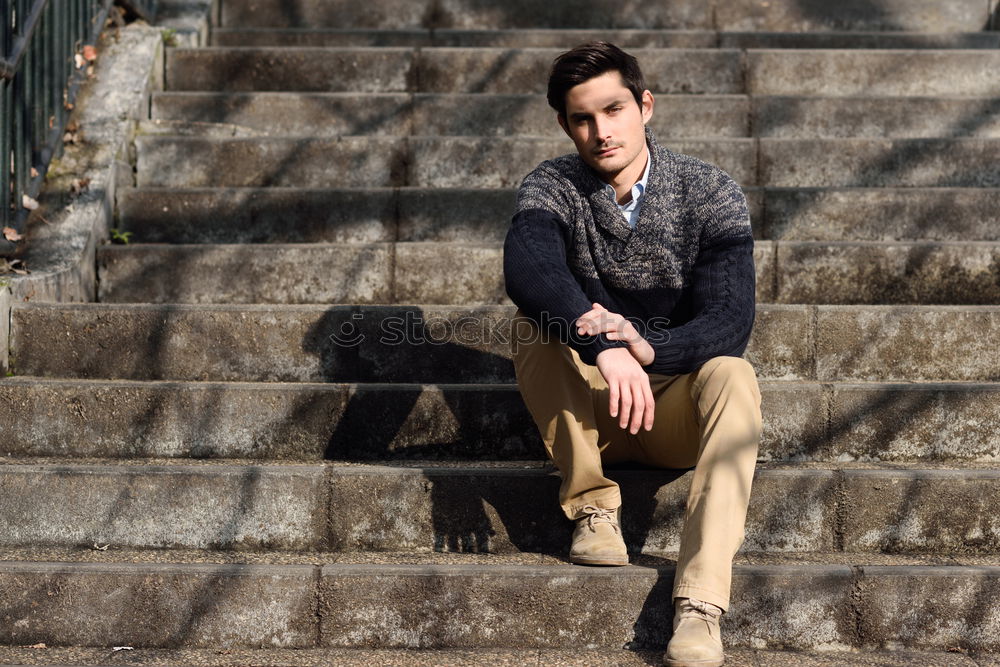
(623, 181)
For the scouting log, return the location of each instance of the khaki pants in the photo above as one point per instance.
(708, 419)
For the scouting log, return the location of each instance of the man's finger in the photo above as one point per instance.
(626, 402)
(639, 406)
(613, 398)
(650, 406)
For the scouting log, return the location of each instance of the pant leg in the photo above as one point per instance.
(562, 394)
(709, 419)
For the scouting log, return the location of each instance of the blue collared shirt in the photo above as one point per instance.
(631, 209)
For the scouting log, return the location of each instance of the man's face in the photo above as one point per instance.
(607, 125)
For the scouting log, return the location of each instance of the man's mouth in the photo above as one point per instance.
(605, 150)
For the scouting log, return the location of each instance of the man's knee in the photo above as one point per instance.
(723, 374)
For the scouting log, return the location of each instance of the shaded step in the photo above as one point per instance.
(526, 38)
(879, 163)
(310, 422)
(431, 70)
(369, 215)
(872, 73)
(499, 162)
(372, 70)
(249, 215)
(626, 39)
(400, 114)
(777, 15)
(794, 605)
(488, 509)
(425, 273)
(272, 343)
(844, 272)
(918, 117)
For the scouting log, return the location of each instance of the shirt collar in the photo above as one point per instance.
(638, 189)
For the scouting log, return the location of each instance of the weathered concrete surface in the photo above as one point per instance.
(953, 511)
(356, 215)
(872, 73)
(380, 70)
(259, 215)
(343, 162)
(877, 272)
(157, 605)
(129, 419)
(324, 37)
(901, 422)
(930, 606)
(437, 214)
(919, 117)
(626, 39)
(484, 511)
(293, 114)
(473, 606)
(203, 273)
(879, 163)
(889, 15)
(907, 343)
(779, 15)
(400, 114)
(486, 70)
(882, 214)
(60, 251)
(858, 40)
(453, 273)
(502, 162)
(464, 344)
(206, 507)
(303, 421)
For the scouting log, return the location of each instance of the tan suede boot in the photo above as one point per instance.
(597, 538)
(697, 641)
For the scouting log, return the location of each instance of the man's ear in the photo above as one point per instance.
(562, 123)
(647, 106)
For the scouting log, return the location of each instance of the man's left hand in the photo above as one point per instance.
(599, 320)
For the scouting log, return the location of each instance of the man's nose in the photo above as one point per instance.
(602, 130)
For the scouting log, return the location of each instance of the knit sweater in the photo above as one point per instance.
(684, 275)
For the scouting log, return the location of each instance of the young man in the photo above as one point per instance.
(632, 267)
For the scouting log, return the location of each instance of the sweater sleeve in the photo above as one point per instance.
(538, 279)
(723, 288)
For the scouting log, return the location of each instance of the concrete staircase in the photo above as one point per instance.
(291, 419)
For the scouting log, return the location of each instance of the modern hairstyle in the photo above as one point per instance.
(588, 61)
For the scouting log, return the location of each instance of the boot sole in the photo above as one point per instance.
(693, 663)
(583, 560)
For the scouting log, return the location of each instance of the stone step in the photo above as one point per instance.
(803, 421)
(479, 114)
(830, 72)
(844, 272)
(486, 508)
(796, 604)
(429, 70)
(281, 343)
(406, 114)
(371, 215)
(502, 162)
(571, 657)
(777, 15)
(626, 39)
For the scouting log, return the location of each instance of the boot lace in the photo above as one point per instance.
(691, 608)
(600, 515)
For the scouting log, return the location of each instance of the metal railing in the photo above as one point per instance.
(39, 77)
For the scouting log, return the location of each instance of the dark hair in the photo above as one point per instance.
(587, 61)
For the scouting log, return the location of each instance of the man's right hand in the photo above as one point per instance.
(631, 398)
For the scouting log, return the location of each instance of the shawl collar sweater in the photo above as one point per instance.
(684, 275)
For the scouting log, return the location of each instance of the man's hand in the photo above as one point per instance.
(600, 320)
(631, 398)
